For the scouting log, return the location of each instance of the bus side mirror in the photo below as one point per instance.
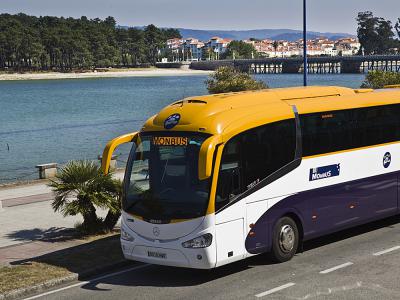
(229, 183)
(206, 156)
(112, 145)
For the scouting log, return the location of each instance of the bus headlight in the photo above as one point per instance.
(126, 236)
(200, 242)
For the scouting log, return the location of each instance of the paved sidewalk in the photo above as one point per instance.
(28, 225)
(33, 230)
(21, 252)
(32, 222)
(23, 194)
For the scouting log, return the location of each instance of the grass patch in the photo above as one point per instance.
(95, 253)
(12, 278)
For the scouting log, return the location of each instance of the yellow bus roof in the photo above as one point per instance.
(231, 113)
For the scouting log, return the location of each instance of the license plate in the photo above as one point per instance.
(156, 254)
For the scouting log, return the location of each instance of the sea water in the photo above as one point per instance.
(45, 121)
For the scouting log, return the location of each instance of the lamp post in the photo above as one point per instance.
(305, 66)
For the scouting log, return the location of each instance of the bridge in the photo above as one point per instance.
(316, 65)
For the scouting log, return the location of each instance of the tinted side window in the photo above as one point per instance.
(266, 149)
(340, 130)
(326, 132)
(376, 125)
(252, 156)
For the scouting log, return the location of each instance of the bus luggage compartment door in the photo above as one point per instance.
(230, 234)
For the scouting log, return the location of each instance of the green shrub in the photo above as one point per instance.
(228, 79)
(81, 187)
(378, 79)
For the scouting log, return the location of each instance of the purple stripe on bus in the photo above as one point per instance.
(330, 209)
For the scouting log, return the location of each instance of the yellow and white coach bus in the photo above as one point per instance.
(215, 179)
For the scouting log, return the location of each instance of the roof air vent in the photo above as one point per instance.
(180, 103)
(197, 101)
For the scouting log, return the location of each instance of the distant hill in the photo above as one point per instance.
(273, 34)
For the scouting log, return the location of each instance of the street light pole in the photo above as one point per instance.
(305, 66)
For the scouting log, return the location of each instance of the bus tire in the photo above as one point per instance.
(285, 240)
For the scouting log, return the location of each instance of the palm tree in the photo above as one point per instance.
(80, 187)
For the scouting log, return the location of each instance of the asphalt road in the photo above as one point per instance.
(362, 263)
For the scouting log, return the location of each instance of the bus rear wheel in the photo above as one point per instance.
(285, 240)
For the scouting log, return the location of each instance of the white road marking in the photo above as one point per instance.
(86, 282)
(336, 268)
(274, 290)
(331, 291)
(387, 251)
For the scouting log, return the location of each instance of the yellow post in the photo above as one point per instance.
(110, 147)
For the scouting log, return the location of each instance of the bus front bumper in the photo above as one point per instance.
(168, 253)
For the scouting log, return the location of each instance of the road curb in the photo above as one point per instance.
(43, 287)
(15, 294)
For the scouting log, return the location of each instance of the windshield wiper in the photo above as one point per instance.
(165, 170)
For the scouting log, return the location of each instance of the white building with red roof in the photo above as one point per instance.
(193, 49)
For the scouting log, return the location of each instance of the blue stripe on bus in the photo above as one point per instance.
(329, 209)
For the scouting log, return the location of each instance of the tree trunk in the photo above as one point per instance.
(90, 219)
(111, 220)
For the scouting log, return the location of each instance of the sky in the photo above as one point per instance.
(323, 15)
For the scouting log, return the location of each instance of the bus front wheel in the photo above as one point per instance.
(285, 240)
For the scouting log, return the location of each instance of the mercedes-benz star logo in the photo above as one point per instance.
(156, 231)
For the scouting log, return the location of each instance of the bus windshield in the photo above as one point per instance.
(162, 178)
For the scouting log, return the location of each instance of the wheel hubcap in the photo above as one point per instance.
(286, 238)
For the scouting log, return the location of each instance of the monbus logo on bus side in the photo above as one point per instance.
(172, 121)
(387, 159)
(324, 172)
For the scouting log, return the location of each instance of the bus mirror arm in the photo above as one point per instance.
(234, 183)
(206, 156)
(112, 145)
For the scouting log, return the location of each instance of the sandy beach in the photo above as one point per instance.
(152, 72)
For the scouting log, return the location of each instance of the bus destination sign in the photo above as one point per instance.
(170, 141)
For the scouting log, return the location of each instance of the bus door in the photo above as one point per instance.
(230, 211)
